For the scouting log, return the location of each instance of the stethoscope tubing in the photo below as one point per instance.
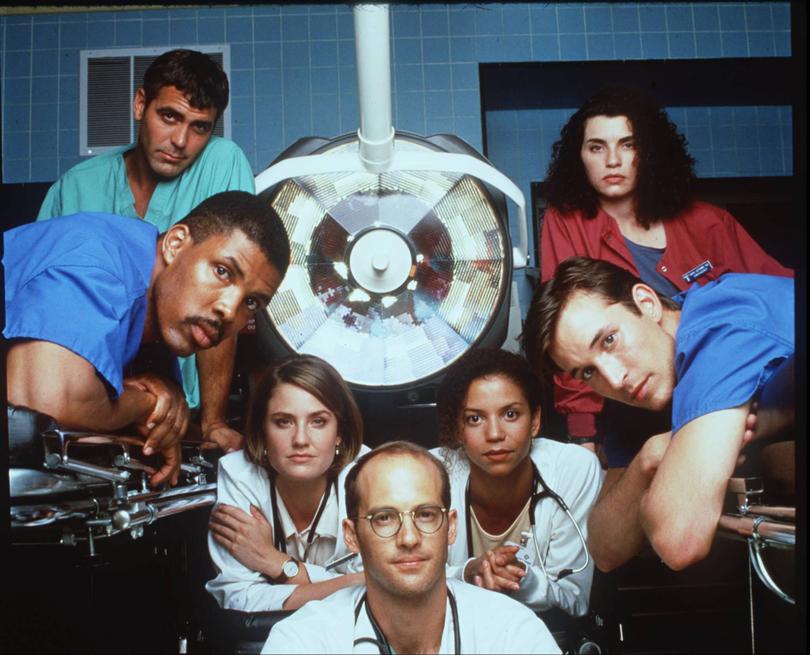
(381, 641)
(278, 530)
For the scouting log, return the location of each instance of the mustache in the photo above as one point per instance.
(211, 323)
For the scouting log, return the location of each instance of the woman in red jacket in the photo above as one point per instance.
(619, 188)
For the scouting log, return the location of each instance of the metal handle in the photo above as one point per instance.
(755, 548)
(774, 533)
(111, 475)
(777, 512)
(178, 505)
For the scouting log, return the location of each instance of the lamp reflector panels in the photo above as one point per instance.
(393, 276)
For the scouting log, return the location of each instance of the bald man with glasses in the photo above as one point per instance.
(398, 498)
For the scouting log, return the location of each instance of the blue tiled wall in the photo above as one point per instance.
(293, 73)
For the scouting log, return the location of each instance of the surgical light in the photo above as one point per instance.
(401, 255)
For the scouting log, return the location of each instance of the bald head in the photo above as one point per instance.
(354, 488)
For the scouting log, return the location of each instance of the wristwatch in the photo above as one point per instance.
(289, 570)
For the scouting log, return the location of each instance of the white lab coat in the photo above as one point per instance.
(575, 475)
(489, 622)
(241, 483)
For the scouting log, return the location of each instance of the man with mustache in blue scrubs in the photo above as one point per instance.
(84, 293)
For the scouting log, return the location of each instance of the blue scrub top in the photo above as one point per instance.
(81, 281)
(733, 333)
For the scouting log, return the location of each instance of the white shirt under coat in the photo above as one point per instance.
(489, 622)
(241, 483)
(575, 475)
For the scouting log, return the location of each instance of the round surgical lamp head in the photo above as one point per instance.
(393, 275)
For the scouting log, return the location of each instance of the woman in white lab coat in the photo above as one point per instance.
(522, 501)
(277, 527)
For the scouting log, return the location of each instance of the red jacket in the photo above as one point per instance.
(700, 233)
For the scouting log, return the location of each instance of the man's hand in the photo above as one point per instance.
(168, 422)
(652, 452)
(249, 538)
(222, 436)
(750, 424)
(171, 466)
(497, 569)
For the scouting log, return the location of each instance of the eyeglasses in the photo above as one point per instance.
(387, 522)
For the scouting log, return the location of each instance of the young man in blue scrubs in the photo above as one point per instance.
(175, 164)
(85, 292)
(708, 352)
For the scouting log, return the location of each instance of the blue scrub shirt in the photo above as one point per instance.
(81, 281)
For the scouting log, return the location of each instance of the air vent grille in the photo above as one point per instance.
(109, 103)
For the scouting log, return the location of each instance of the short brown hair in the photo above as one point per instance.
(196, 75)
(315, 376)
(227, 211)
(391, 448)
(613, 283)
(474, 364)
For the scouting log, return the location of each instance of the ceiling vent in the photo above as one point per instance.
(108, 80)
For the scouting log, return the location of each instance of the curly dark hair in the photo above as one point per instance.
(665, 168)
(474, 364)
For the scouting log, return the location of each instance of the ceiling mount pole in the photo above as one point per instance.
(373, 50)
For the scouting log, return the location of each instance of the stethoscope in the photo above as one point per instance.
(380, 639)
(279, 540)
(537, 495)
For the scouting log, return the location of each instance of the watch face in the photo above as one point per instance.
(290, 568)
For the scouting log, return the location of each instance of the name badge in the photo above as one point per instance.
(697, 271)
